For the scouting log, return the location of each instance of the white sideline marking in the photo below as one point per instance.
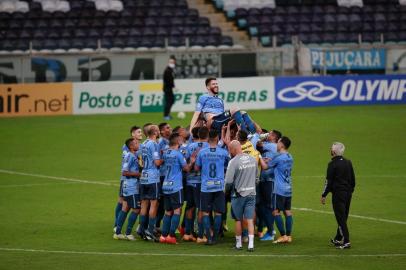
(58, 178)
(33, 185)
(110, 184)
(357, 176)
(355, 216)
(201, 255)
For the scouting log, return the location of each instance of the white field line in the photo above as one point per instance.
(33, 185)
(356, 176)
(351, 215)
(199, 254)
(58, 178)
(110, 184)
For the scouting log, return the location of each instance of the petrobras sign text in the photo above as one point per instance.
(105, 97)
(373, 59)
(339, 90)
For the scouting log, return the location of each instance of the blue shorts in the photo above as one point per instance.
(120, 190)
(213, 201)
(150, 191)
(282, 203)
(243, 207)
(265, 194)
(173, 201)
(192, 195)
(133, 201)
(220, 120)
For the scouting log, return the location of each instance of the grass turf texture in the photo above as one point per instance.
(47, 214)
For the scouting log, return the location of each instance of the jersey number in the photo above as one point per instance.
(145, 160)
(168, 171)
(212, 170)
(287, 175)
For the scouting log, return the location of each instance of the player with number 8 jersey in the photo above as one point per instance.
(212, 162)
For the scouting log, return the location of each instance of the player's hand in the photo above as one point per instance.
(193, 156)
(192, 159)
(323, 200)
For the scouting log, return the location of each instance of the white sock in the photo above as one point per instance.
(251, 241)
(238, 242)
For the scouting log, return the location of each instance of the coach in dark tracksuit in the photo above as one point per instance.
(340, 181)
(169, 84)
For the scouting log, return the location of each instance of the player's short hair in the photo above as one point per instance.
(147, 124)
(195, 132)
(242, 135)
(203, 133)
(338, 148)
(172, 57)
(277, 133)
(128, 142)
(145, 128)
(162, 125)
(209, 79)
(152, 129)
(286, 141)
(213, 134)
(176, 129)
(264, 130)
(174, 139)
(134, 128)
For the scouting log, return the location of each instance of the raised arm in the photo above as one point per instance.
(264, 163)
(194, 120)
(131, 174)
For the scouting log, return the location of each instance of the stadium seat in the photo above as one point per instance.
(8, 6)
(226, 40)
(21, 6)
(176, 41)
(45, 20)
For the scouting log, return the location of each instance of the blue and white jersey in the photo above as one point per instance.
(124, 152)
(125, 149)
(174, 162)
(150, 172)
(138, 154)
(282, 165)
(270, 147)
(130, 184)
(183, 149)
(212, 163)
(163, 144)
(254, 140)
(210, 104)
(194, 177)
(270, 151)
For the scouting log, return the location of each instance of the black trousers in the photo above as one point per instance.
(169, 99)
(341, 206)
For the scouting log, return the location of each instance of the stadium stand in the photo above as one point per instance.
(319, 22)
(76, 25)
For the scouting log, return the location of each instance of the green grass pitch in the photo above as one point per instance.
(55, 223)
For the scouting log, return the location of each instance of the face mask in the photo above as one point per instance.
(171, 65)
